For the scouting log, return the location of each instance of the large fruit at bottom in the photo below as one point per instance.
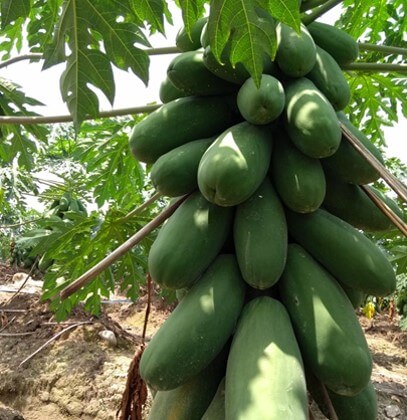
(198, 328)
(264, 375)
(331, 340)
(361, 406)
(260, 237)
(190, 400)
(177, 123)
(188, 242)
(235, 164)
(344, 251)
(311, 123)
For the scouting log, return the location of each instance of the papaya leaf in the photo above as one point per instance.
(93, 238)
(369, 21)
(286, 11)
(97, 35)
(12, 38)
(151, 11)
(108, 157)
(250, 35)
(192, 10)
(11, 10)
(17, 140)
(40, 27)
(375, 100)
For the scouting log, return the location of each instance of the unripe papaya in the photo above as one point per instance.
(351, 257)
(296, 53)
(175, 173)
(264, 375)
(343, 48)
(188, 242)
(298, 178)
(260, 234)
(328, 77)
(197, 330)
(331, 340)
(235, 164)
(192, 41)
(179, 122)
(311, 121)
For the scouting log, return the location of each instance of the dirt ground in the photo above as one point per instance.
(80, 375)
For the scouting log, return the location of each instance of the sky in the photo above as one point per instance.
(130, 91)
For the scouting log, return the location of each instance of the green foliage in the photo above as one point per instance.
(376, 98)
(18, 141)
(103, 150)
(95, 237)
(247, 32)
(375, 103)
(191, 12)
(11, 10)
(242, 23)
(89, 25)
(92, 159)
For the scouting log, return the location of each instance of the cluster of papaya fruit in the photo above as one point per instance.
(266, 252)
(67, 203)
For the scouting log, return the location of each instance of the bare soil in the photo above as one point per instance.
(80, 375)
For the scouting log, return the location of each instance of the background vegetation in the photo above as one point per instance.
(92, 159)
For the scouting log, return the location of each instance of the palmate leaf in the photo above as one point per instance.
(370, 19)
(117, 175)
(40, 27)
(285, 11)
(11, 10)
(83, 243)
(192, 10)
(153, 12)
(15, 139)
(97, 34)
(251, 36)
(374, 103)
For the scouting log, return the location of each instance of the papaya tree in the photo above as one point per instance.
(90, 151)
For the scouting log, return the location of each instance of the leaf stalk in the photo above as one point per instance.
(39, 56)
(376, 67)
(40, 119)
(384, 49)
(315, 14)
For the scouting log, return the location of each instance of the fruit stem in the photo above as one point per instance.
(121, 250)
(315, 14)
(311, 4)
(385, 49)
(376, 67)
